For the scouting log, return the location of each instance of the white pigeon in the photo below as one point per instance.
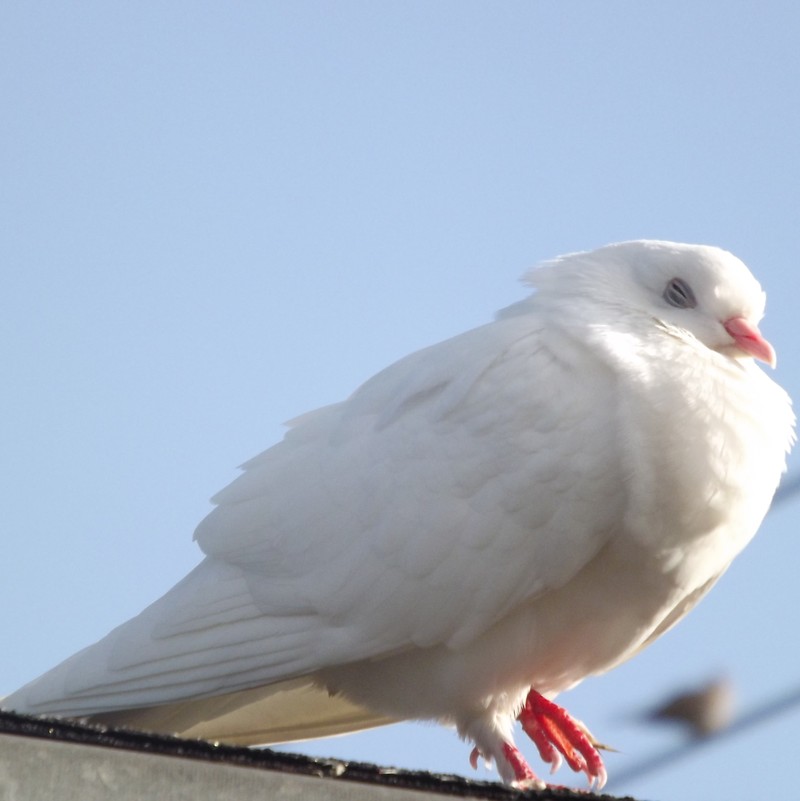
(479, 527)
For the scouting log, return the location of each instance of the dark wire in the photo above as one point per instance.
(789, 487)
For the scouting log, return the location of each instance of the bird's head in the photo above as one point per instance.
(697, 289)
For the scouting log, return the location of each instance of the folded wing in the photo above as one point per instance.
(416, 513)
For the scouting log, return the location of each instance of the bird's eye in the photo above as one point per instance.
(679, 294)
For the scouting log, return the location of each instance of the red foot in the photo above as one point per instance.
(555, 733)
(523, 775)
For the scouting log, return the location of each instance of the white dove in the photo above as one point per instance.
(479, 527)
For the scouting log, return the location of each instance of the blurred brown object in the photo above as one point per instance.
(703, 711)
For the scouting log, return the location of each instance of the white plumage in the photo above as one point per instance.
(521, 506)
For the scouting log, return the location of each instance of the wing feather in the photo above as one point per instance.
(416, 513)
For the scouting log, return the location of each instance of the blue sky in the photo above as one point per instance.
(214, 217)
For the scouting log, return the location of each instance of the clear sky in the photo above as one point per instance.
(215, 216)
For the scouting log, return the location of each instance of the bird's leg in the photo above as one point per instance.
(556, 733)
(524, 777)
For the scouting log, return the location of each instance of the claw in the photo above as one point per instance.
(524, 777)
(474, 756)
(544, 744)
(555, 733)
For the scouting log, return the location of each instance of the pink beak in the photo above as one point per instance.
(750, 340)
